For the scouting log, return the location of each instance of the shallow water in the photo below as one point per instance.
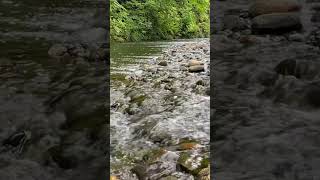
(163, 118)
(264, 121)
(55, 101)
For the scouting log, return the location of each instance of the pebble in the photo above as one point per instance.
(163, 63)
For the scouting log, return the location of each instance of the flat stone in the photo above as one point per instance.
(196, 68)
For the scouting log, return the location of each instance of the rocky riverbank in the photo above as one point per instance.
(160, 116)
(265, 65)
(53, 97)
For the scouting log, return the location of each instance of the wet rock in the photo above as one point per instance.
(296, 37)
(276, 23)
(196, 68)
(260, 7)
(138, 99)
(163, 63)
(160, 137)
(140, 171)
(57, 50)
(200, 83)
(192, 163)
(287, 67)
(234, 22)
(131, 110)
(302, 69)
(157, 164)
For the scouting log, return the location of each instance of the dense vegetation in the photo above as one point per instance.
(136, 20)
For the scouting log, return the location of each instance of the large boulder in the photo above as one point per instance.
(260, 7)
(276, 23)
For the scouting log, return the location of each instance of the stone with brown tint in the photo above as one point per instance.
(260, 7)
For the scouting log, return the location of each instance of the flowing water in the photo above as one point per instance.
(265, 117)
(145, 115)
(52, 108)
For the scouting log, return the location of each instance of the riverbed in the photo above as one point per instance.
(52, 116)
(265, 115)
(159, 110)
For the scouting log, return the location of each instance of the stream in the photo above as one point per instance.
(53, 89)
(265, 110)
(159, 111)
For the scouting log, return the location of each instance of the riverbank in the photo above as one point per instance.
(160, 116)
(266, 84)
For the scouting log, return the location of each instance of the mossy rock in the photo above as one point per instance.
(186, 163)
(204, 174)
(140, 171)
(138, 99)
(153, 155)
(119, 78)
(187, 140)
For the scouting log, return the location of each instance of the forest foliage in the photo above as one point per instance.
(142, 20)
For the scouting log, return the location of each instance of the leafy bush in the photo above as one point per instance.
(136, 20)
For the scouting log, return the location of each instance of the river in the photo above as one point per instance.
(158, 110)
(265, 116)
(52, 107)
